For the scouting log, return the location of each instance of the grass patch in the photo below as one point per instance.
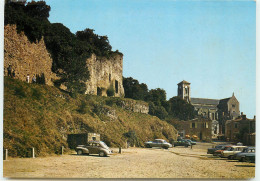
(41, 116)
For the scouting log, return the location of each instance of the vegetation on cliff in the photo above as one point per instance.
(174, 108)
(69, 51)
(41, 116)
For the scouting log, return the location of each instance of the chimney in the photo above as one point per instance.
(241, 113)
(254, 117)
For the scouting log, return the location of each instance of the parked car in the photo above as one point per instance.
(230, 152)
(250, 158)
(217, 147)
(182, 143)
(191, 142)
(242, 155)
(158, 143)
(218, 152)
(94, 147)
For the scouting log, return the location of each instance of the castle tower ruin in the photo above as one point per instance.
(105, 74)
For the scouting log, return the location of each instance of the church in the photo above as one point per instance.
(216, 110)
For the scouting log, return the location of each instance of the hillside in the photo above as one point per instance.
(41, 116)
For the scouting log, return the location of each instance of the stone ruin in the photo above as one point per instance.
(29, 59)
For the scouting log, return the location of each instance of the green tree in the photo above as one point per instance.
(134, 90)
(181, 109)
(158, 111)
(157, 96)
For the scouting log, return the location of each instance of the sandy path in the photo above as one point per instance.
(176, 162)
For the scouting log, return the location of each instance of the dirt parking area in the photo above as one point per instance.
(177, 162)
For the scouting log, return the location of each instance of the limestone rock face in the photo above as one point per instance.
(26, 58)
(104, 74)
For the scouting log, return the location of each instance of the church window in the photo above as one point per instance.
(193, 125)
(213, 116)
(235, 125)
(109, 77)
(233, 105)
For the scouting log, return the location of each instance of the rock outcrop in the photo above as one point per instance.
(26, 58)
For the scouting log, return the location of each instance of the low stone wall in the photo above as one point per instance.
(135, 106)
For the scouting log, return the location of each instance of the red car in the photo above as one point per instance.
(218, 152)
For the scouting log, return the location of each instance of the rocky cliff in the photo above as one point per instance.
(26, 58)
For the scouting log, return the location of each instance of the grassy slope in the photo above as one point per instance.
(41, 116)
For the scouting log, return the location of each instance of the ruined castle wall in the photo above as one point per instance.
(104, 73)
(26, 57)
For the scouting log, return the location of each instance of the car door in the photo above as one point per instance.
(155, 143)
(90, 148)
(95, 148)
(159, 144)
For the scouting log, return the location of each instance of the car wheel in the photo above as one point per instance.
(229, 157)
(243, 159)
(148, 146)
(102, 154)
(80, 152)
(165, 147)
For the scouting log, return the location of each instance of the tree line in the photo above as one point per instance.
(175, 107)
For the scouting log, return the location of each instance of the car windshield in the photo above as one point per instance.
(245, 150)
(103, 144)
(227, 148)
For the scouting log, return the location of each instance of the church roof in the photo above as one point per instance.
(224, 101)
(183, 82)
(204, 101)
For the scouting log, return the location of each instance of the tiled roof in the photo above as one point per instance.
(204, 101)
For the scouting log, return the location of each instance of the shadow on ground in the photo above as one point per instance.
(87, 155)
(245, 165)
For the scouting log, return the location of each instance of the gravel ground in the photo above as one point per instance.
(177, 162)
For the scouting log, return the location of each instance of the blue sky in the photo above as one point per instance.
(210, 44)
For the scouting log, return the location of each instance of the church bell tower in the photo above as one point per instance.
(184, 90)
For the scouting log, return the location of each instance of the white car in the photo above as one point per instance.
(232, 151)
(158, 143)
